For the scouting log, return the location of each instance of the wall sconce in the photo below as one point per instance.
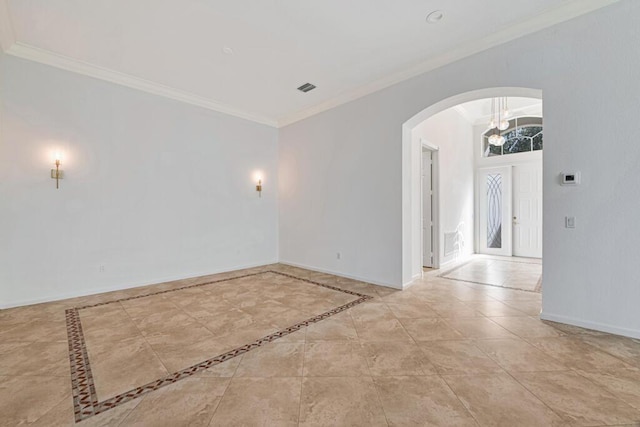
(259, 187)
(57, 173)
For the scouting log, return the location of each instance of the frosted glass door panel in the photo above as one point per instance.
(494, 211)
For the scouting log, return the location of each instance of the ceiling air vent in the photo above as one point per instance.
(306, 87)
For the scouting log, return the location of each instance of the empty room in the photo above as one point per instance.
(283, 213)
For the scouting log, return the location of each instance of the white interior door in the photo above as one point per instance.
(427, 208)
(527, 210)
(494, 185)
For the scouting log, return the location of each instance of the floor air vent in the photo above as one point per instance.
(306, 87)
(451, 244)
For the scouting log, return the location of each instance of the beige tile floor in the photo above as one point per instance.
(506, 272)
(442, 352)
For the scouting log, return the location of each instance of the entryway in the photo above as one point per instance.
(473, 172)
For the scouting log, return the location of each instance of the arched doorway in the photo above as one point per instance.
(411, 171)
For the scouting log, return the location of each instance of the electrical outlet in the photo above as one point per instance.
(101, 269)
(338, 255)
(570, 222)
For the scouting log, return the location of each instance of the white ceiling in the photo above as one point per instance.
(346, 48)
(479, 112)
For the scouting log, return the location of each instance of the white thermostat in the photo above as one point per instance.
(571, 178)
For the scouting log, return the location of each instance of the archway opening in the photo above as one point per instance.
(412, 166)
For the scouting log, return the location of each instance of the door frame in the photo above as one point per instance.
(435, 201)
(507, 210)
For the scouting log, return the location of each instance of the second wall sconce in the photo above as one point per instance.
(259, 187)
(57, 173)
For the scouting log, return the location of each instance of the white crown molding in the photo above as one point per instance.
(539, 22)
(536, 23)
(46, 57)
(7, 35)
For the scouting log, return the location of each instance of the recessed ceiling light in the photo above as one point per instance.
(227, 50)
(435, 16)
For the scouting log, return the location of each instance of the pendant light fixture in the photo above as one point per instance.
(499, 120)
(503, 115)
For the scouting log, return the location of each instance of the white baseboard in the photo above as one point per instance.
(448, 264)
(158, 280)
(462, 258)
(337, 273)
(596, 326)
(412, 281)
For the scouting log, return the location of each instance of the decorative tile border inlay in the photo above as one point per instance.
(85, 400)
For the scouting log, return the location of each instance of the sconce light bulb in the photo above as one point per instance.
(57, 172)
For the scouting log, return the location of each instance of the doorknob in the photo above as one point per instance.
(514, 220)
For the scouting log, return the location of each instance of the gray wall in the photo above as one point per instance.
(154, 189)
(341, 170)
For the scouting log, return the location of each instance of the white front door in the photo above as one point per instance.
(494, 186)
(427, 209)
(527, 210)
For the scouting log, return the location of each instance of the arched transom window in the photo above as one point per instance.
(523, 135)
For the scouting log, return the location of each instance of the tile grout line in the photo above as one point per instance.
(612, 393)
(145, 338)
(536, 396)
(213, 414)
(51, 409)
(437, 371)
(460, 400)
(570, 336)
(366, 360)
(516, 380)
(304, 355)
(166, 291)
(490, 284)
(386, 304)
(138, 402)
(233, 375)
